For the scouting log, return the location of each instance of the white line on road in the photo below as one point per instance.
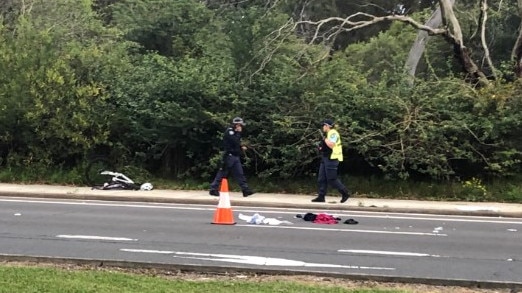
(252, 260)
(390, 215)
(150, 205)
(148, 251)
(395, 253)
(89, 237)
(346, 230)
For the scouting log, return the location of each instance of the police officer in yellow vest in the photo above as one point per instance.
(331, 154)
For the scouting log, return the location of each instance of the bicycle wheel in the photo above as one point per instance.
(94, 168)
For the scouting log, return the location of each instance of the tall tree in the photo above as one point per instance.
(516, 54)
(419, 45)
(330, 27)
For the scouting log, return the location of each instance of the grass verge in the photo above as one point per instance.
(23, 278)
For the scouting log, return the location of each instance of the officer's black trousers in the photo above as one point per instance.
(328, 176)
(232, 165)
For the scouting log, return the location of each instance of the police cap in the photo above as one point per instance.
(238, 120)
(328, 122)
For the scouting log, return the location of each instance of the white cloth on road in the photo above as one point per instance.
(262, 220)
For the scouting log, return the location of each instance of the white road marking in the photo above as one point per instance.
(110, 204)
(436, 230)
(148, 251)
(441, 218)
(346, 230)
(92, 237)
(396, 253)
(360, 214)
(252, 260)
(115, 204)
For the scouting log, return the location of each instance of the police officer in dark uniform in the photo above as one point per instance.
(331, 154)
(231, 159)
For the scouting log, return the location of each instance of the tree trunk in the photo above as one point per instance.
(516, 54)
(418, 47)
(461, 52)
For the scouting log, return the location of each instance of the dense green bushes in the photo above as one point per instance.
(153, 88)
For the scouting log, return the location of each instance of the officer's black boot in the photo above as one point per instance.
(318, 199)
(345, 196)
(213, 192)
(247, 192)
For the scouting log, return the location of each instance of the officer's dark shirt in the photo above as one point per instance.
(232, 142)
(325, 150)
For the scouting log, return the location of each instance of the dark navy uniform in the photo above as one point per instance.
(328, 173)
(231, 162)
(330, 158)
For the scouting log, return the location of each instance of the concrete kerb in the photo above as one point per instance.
(252, 202)
(222, 270)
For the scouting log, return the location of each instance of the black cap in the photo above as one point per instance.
(329, 122)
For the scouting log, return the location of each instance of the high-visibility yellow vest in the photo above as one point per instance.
(337, 150)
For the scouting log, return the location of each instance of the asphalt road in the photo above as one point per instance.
(382, 244)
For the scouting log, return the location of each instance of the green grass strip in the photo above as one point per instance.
(23, 279)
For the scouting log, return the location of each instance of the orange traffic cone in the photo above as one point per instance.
(223, 214)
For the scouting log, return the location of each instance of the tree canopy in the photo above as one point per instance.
(152, 83)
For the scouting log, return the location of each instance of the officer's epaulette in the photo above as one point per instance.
(230, 131)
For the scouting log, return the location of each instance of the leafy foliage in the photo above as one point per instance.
(153, 83)
(49, 100)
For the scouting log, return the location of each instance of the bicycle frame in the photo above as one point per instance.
(118, 177)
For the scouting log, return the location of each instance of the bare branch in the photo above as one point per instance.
(451, 32)
(351, 23)
(280, 36)
(483, 20)
(26, 7)
(329, 28)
